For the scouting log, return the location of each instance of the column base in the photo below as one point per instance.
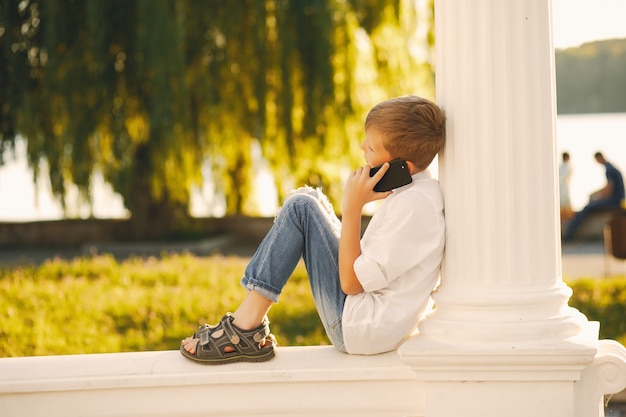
(539, 378)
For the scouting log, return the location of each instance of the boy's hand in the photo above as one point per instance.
(359, 189)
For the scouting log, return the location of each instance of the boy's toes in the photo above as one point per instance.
(189, 344)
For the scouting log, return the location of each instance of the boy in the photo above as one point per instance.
(370, 292)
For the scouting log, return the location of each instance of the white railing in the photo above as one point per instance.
(300, 381)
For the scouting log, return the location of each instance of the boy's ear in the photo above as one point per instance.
(412, 167)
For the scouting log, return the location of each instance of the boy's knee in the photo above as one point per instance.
(305, 191)
(299, 197)
(304, 195)
(311, 198)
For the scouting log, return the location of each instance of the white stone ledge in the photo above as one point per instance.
(300, 381)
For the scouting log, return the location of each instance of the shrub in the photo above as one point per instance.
(603, 300)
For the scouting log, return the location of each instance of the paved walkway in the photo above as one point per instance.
(588, 260)
(224, 244)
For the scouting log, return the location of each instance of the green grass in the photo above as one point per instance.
(97, 304)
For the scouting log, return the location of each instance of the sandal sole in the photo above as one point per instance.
(266, 356)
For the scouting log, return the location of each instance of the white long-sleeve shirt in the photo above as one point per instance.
(401, 253)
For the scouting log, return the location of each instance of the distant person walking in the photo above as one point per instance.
(609, 196)
(565, 176)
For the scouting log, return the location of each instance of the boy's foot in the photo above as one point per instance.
(226, 343)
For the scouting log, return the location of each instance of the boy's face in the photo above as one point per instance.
(373, 149)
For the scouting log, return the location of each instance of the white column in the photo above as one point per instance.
(502, 340)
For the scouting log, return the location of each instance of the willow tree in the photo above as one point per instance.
(145, 91)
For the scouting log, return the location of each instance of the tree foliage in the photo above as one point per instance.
(146, 91)
(592, 78)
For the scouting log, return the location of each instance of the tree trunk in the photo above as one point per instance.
(152, 217)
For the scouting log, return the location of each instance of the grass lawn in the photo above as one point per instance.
(98, 304)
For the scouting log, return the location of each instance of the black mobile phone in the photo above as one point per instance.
(396, 176)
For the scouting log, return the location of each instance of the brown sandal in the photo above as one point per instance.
(256, 345)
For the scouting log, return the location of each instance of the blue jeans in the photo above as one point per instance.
(578, 219)
(305, 227)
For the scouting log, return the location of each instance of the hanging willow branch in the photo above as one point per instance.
(145, 91)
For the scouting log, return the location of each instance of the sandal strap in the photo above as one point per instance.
(202, 329)
(209, 328)
(232, 334)
(226, 333)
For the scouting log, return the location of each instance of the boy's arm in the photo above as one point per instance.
(359, 190)
(349, 250)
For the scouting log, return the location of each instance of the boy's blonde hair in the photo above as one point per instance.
(413, 128)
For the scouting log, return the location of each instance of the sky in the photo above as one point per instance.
(579, 21)
(574, 22)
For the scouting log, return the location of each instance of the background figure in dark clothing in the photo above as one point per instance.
(610, 196)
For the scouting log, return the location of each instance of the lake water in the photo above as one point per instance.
(580, 135)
